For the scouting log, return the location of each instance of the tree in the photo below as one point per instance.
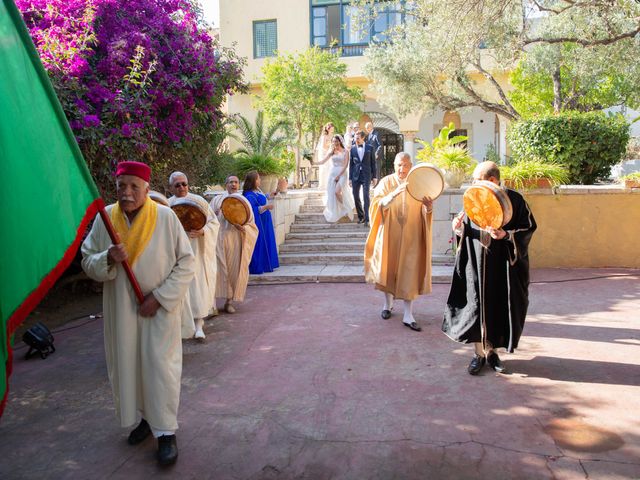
(138, 80)
(438, 56)
(260, 139)
(307, 90)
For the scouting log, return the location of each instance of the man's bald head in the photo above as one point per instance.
(487, 171)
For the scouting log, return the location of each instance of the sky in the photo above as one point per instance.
(211, 11)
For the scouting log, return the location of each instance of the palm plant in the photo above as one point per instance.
(441, 142)
(262, 139)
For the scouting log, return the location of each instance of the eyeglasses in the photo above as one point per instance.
(180, 184)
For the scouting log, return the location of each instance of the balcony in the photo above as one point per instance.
(347, 50)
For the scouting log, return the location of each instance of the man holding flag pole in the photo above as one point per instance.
(39, 153)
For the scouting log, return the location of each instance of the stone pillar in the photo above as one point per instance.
(503, 140)
(409, 144)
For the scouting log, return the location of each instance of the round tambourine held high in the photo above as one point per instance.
(425, 180)
(487, 205)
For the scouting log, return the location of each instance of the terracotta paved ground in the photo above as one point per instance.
(306, 381)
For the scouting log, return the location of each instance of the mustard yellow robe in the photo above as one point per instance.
(397, 256)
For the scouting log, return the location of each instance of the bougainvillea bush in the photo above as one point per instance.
(139, 80)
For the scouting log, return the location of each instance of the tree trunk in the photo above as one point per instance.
(557, 90)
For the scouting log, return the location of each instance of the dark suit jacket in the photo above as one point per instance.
(362, 171)
(374, 141)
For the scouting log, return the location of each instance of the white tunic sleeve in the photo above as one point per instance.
(171, 292)
(94, 253)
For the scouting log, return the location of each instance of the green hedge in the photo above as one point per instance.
(589, 144)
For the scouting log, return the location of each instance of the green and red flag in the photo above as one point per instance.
(47, 198)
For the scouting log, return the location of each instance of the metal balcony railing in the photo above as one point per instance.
(347, 50)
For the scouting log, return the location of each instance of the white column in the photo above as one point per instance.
(409, 144)
(503, 140)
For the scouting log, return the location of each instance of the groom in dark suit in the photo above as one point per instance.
(362, 171)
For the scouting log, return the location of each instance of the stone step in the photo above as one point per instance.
(309, 218)
(327, 236)
(341, 258)
(319, 227)
(331, 274)
(314, 202)
(316, 247)
(312, 208)
(322, 258)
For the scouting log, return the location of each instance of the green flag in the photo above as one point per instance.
(48, 196)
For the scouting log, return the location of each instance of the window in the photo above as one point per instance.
(389, 15)
(351, 34)
(333, 24)
(265, 38)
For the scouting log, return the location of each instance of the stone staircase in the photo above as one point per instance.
(317, 251)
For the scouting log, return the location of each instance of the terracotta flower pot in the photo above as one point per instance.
(632, 184)
(531, 183)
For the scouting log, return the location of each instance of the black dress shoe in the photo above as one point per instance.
(139, 433)
(494, 362)
(413, 326)
(477, 362)
(361, 220)
(386, 314)
(167, 450)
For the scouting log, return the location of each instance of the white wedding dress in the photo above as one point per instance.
(336, 209)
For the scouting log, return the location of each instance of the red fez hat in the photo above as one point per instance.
(137, 169)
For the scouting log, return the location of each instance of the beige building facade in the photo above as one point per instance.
(257, 30)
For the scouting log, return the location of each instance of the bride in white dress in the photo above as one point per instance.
(324, 146)
(339, 197)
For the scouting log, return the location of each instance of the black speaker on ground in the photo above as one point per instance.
(39, 340)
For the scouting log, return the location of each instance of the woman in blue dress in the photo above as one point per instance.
(265, 253)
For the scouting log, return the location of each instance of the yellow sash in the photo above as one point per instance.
(137, 237)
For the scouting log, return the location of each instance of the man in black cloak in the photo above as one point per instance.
(489, 294)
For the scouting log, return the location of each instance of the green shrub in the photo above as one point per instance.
(632, 176)
(589, 144)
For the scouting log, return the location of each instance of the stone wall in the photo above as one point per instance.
(285, 207)
(578, 226)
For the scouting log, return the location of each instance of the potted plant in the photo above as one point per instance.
(269, 168)
(447, 153)
(457, 164)
(530, 173)
(631, 180)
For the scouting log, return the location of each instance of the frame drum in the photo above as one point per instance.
(190, 214)
(487, 205)
(159, 198)
(236, 210)
(425, 180)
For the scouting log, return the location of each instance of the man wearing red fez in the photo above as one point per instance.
(142, 342)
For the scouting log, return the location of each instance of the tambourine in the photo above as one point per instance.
(189, 213)
(425, 180)
(487, 205)
(235, 209)
(159, 198)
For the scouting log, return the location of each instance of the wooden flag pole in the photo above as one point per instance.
(115, 238)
